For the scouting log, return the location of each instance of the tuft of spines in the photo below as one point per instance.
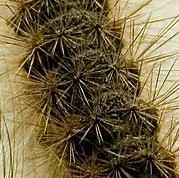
(88, 93)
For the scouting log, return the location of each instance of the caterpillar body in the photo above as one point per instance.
(89, 89)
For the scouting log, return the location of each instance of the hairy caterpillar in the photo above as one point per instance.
(24, 154)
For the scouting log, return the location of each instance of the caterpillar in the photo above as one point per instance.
(88, 89)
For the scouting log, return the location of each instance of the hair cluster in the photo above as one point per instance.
(88, 92)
